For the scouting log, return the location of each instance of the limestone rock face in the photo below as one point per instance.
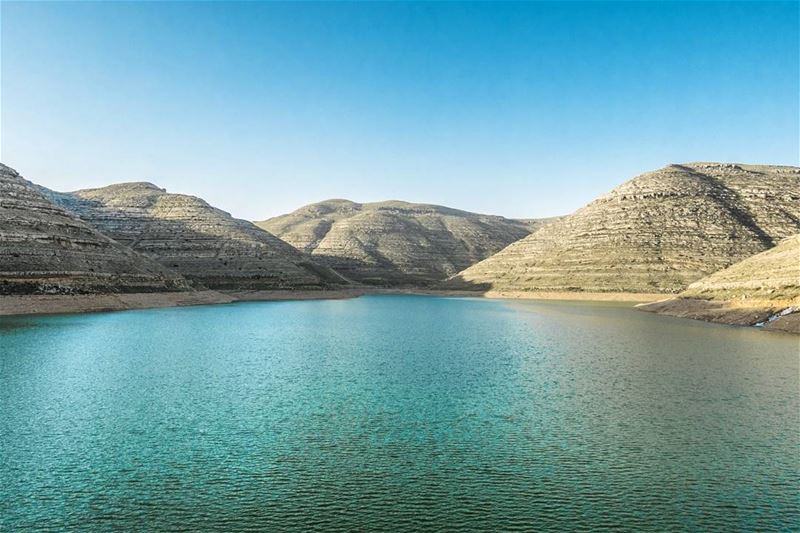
(46, 250)
(395, 243)
(773, 275)
(658, 232)
(204, 244)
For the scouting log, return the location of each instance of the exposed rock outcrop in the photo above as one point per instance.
(763, 289)
(204, 244)
(46, 250)
(395, 243)
(658, 232)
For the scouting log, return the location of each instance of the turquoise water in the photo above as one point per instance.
(396, 413)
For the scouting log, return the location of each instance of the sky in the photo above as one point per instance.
(516, 109)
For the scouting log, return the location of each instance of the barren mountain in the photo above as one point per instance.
(656, 233)
(46, 250)
(395, 243)
(204, 244)
(753, 290)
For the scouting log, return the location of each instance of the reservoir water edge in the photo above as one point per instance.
(396, 412)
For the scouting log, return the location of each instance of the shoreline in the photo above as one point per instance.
(51, 304)
(45, 304)
(291, 295)
(632, 297)
(744, 314)
(733, 313)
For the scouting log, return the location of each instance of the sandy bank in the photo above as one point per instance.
(578, 296)
(341, 294)
(527, 295)
(735, 313)
(521, 295)
(710, 311)
(88, 303)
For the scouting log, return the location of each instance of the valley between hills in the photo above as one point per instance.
(709, 241)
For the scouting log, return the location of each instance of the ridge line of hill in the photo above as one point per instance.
(661, 232)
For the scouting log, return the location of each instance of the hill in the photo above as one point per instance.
(395, 243)
(658, 232)
(773, 275)
(204, 244)
(757, 289)
(46, 250)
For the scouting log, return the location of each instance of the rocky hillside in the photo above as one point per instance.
(395, 243)
(204, 244)
(658, 232)
(764, 288)
(773, 275)
(46, 250)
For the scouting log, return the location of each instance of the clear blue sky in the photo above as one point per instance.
(518, 109)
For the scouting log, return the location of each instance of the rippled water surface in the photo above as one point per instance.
(396, 413)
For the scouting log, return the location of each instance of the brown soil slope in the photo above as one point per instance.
(46, 250)
(395, 243)
(658, 232)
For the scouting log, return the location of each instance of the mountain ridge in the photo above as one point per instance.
(204, 244)
(657, 232)
(47, 250)
(393, 242)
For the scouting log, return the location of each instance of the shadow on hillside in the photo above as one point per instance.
(216, 260)
(387, 275)
(213, 260)
(383, 274)
(458, 284)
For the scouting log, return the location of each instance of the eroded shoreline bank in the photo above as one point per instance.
(46, 304)
(87, 303)
(734, 313)
(729, 313)
(91, 303)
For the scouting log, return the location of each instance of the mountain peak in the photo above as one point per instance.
(657, 232)
(44, 248)
(394, 243)
(204, 244)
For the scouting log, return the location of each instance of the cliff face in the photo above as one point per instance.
(656, 233)
(46, 250)
(395, 243)
(204, 244)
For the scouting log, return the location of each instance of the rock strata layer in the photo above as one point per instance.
(395, 244)
(763, 289)
(46, 250)
(658, 232)
(204, 244)
(773, 275)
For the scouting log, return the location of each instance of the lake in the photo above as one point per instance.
(397, 413)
